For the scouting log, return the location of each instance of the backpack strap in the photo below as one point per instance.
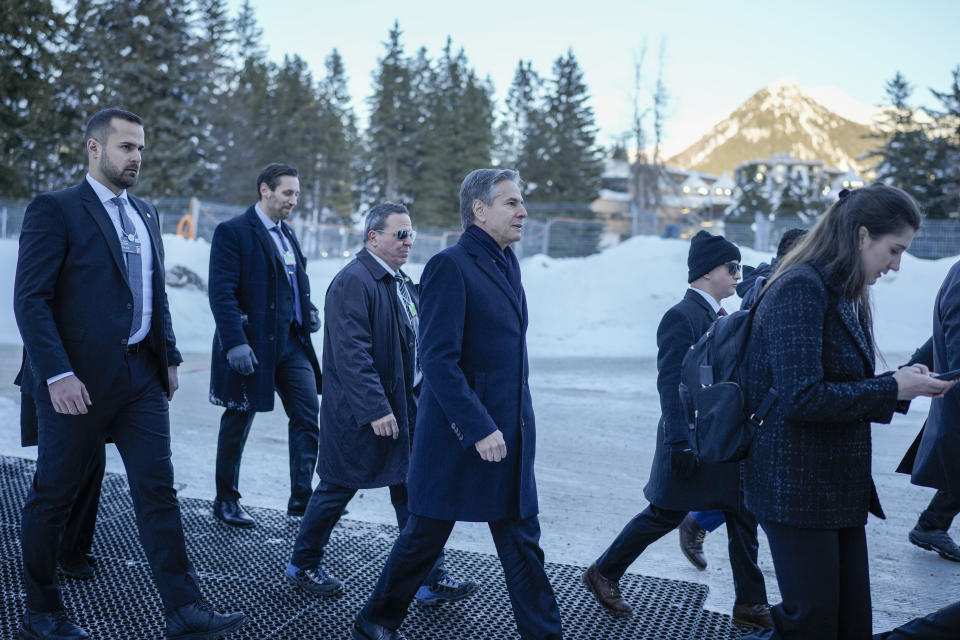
(758, 416)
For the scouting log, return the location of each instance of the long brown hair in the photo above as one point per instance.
(834, 242)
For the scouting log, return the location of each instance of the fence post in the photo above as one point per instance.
(545, 248)
(3, 223)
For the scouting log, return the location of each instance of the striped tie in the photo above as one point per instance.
(134, 269)
(413, 318)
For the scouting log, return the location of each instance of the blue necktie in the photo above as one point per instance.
(291, 275)
(130, 245)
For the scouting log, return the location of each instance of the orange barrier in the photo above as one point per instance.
(185, 226)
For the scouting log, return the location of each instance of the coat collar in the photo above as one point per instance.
(852, 321)
(263, 235)
(488, 265)
(695, 297)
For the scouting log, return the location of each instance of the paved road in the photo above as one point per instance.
(596, 426)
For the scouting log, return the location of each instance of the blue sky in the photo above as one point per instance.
(717, 54)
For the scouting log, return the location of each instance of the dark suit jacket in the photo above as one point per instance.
(474, 356)
(809, 465)
(71, 298)
(937, 462)
(251, 300)
(713, 486)
(368, 365)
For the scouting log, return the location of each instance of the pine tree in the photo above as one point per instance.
(337, 144)
(751, 198)
(523, 103)
(215, 45)
(903, 154)
(944, 152)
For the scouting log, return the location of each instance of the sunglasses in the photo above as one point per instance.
(734, 268)
(400, 234)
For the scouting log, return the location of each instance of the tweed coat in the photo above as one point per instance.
(713, 486)
(939, 449)
(809, 465)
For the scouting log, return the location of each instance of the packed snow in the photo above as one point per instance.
(604, 305)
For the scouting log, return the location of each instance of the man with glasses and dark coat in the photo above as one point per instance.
(678, 481)
(260, 297)
(371, 383)
(474, 443)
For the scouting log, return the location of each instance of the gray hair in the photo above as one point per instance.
(481, 184)
(377, 217)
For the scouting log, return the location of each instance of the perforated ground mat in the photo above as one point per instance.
(243, 570)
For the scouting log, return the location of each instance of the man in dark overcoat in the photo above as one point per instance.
(260, 297)
(101, 362)
(935, 464)
(370, 401)
(475, 437)
(678, 481)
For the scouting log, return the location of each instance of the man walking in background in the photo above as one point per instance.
(475, 437)
(372, 381)
(99, 366)
(260, 297)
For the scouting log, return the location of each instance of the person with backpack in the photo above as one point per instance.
(695, 527)
(678, 482)
(807, 474)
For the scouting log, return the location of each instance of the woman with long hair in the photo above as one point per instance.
(807, 477)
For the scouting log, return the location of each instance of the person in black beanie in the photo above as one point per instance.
(678, 482)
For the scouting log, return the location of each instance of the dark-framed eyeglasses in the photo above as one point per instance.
(400, 234)
(734, 267)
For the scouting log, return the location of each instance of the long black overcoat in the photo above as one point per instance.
(713, 486)
(809, 465)
(368, 373)
(246, 282)
(937, 463)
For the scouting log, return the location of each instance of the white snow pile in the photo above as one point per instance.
(604, 305)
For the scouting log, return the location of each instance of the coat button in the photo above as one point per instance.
(129, 305)
(270, 338)
(123, 341)
(273, 306)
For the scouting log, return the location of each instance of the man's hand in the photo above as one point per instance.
(172, 381)
(386, 426)
(241, 359)
(314, 321)
(69, 396)
(492, 448)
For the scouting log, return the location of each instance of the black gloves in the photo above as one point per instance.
(241, 359)
(683, 461)
(314, 321)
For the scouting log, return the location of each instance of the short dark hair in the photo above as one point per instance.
(377, 216)
(789, 240)
(100, 125)
(270, 175)
(481, 184)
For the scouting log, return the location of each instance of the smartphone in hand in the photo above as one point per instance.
(949, 375)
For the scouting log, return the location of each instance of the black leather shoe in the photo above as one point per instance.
(199, 621)
(230, 512)
(691, 542)
(51, 625)
(77, 568)
(753, 615)
(314, 581)
(607, 592)
(363, 629)
(935, 540)
(297, 506)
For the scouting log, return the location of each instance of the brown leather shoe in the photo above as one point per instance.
(753, 615)
(691, 542)
(607, 592)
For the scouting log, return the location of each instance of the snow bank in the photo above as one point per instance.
(604, 305)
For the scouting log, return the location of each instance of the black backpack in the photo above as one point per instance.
(713, 390)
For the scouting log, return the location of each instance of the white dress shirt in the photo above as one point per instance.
(709, 298)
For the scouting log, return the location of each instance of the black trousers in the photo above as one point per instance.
(518, 546)
(653, 523)
(824, 580)
(940, 513)
(323, 512)
(135, 415)
(297, 386)
(943, 624)
(77, 540)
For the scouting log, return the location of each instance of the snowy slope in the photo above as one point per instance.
(605, 305)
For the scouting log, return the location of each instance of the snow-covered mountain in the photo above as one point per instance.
(785, 117)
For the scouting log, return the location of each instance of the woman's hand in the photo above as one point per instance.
(916, 380)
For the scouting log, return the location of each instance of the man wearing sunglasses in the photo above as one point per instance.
(678, 481)
(372, 379)
(260, 297)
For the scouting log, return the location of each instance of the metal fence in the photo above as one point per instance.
(555, 230)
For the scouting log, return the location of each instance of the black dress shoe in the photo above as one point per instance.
(297, 506)
(77, 568)
(607, 592)
(756, 616)
(691, 542)
(199, 621)
(232, 513)
(363, 629)
(51, 625)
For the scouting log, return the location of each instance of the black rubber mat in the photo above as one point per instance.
(243, 570)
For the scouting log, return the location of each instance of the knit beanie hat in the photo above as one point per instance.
(708, 252)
